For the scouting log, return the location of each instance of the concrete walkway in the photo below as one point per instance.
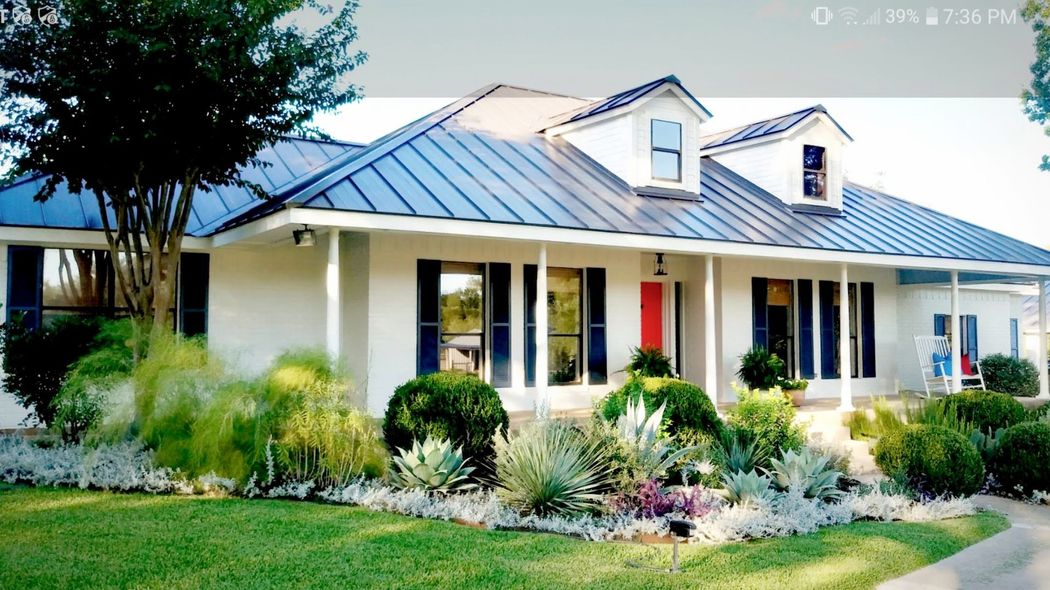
(1018, 557)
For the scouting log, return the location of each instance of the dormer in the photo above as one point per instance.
(797, 157)
(648, 136)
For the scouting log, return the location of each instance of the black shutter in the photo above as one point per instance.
(805, 328)
(428, 276)
(759, 318)
(678, 329)
(597, 361)
(193, 293)
(971, 331)
(867, 329)
(827, 330)
(25, 284)
(530, 324)
(499, 322)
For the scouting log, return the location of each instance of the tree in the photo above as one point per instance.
(1036, 99)
(143, 103)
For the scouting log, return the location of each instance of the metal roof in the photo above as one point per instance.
(478, 160)
(622, 99)
(765, 128)
(289, 159)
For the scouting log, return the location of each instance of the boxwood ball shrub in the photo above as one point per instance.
(689, 412)
(454, 406)
(933, 459)
(986, 410)
(1021, 462)
(1009, 375)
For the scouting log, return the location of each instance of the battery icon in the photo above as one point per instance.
(931, 16)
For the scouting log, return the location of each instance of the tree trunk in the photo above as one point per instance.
(145, 244)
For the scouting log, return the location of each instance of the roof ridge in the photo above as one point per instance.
(323, 140)
(815, 108)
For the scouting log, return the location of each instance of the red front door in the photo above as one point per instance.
(653, 315)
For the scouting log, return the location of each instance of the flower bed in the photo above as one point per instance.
(126, 467)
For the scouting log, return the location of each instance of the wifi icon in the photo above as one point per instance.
(848, 14)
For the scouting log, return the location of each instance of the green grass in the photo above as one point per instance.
(74, 539)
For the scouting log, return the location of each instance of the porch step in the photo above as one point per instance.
(825, 428)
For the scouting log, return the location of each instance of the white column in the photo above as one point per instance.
(543, 402)
(845, 362)
(333, 324)
(1044, 379)
(710, 358)
(956, 330)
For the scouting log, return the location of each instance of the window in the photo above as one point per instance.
(45, 283)
(814, 172)
(837, 311)
(942, 326)
(565, 325)
(774, 318)
(667, 150)
(462, 317)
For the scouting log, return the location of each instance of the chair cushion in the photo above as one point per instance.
(942, 365)
(967, 368)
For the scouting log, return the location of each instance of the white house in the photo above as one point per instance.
(427, 249)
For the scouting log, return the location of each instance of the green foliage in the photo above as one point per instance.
(1021, 462)
(986, 443)
(747, 488)
(760, 368)
(649, 361)
(806, 471)
(767, 418)
(189, 94)
(434, 466)
(690, 415)
(1036, 98)
(881, 421)
(932, 459)
(454, 406)
(642, 436)
(36, 362)
(1009, 375)
(985, 410)
(937, 413)
(549, 468)
(737, 451)
(82, 398)
(793, 384)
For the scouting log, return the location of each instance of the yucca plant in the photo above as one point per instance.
(807, 472)
(641, 434)
(747, 488)
(435, 465)
(735, 451)
(548, 468)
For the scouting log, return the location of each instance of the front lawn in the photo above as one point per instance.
(70, 538)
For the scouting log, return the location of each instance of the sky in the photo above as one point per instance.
(974, 158)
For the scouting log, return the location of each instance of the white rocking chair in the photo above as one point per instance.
(938, 374)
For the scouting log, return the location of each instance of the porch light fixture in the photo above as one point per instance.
(659, 268)
(305, 237)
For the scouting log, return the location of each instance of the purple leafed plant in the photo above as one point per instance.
(654, 502)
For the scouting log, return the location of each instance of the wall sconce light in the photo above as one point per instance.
(659, 268)
(304, 237)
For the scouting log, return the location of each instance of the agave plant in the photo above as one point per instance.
(747, 488)
(434, 466)
(642, 436)
(548, 468)
(986, 443)
(736, 452)
(807, 472)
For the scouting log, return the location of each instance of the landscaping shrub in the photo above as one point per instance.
(985, 410)
(1021, 461)
(767, 419)
(549, 468)
(932, 459)
(760, 368)
(1009, 375)
(454, 406)
(36, 361)
(690, 417)
(649, 361)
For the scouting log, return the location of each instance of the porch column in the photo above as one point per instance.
(710, 358)
(956, 330)
(334, 296)
(845, 362)
(1044, 379)
(543, 402)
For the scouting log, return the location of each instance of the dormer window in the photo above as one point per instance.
(814, 172)
(667, 150)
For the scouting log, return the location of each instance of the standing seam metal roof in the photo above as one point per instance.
(765, 128)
